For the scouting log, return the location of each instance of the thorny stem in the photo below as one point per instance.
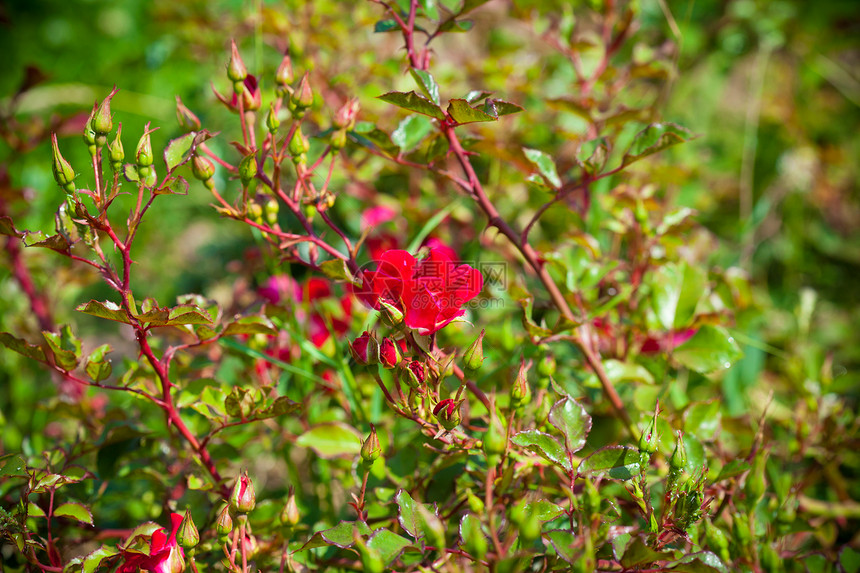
(476, 190)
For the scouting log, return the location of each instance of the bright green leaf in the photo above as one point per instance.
(564, 542)
(65, 346)
(427, 84)
(13, 466)
(22, 347)
(638, 555)
(545, 166)
(250, 325)
(109, 310)
(7, 227)
(388, 544)
(413, 102)
(176, 149)
(461, 112)
(544, 445)
(574, 423)
(93, 560)
(615, 462)
(654, 138)
(712, 348)
(411, 131)
(75, 511)
(96, 366)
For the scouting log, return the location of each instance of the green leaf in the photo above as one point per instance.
(409, 514)
(13, 466)
(677, 289)
(386, 26)
(280, 407)
(574, 423)
(498, 108)
(712, 348)
(453, 25)
(654, 138)
(250, 325)
(56, 242)
(533, 328)
(174, 153)
(370, 136)
(638, 555)
(239, 403)
(96, 366)
(461, 112)
(733, 468)
(413, 102)
(701, 562)
(187, 314)
(75, 511)
(427, 84)
(544, 510)
(23, 347)
(65, 346)
(564, 542)
(469, 5)
(388, 544)
(618, 371)
(331, 440)
(34, 510)
(545, 166)
(615, 462)
(174, 185)
(7, 227)
(544, 445)
(139, 535)
(107, 309)
(130, 173)
(703, 419)
(93, 560)
(341, 535)
(336, 269)
(411, 131)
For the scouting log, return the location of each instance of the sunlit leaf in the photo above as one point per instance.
(712, 348)
(655, 138)
(546, 446)
(413, 102)
(615, 462)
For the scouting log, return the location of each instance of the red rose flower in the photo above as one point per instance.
(429, 293)
(165, 556)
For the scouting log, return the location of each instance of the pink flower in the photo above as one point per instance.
(429, 293)
(164, 555)
(251, 96)
(438, 244)
(669, 342)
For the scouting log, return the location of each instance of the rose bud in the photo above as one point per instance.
(102, 120)
(415, 374)
(116, 151)
(474, 357)
(521, 391)
(187, 536)
(370, 449)
(345, 116)
(448, 413)
(389, 353)
(188, 121)
(236, 70)
(224, 523)
(242, 498)
(284, 75)
(365, 349)
(64, 175)
(290, 514)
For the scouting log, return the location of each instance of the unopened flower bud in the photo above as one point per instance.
(391, 315)
(521, 392)
(202, 168)
(365, 349)
(389, 353)
(495, 442)
(255, 212)
(290, 514)
(224, 523)
(346, 115)
(370, 449)
(102, 120)
(90, 133)
(547, 366)
(678, 461)
(242, 498)
(298, 144)
(337, 139)
(188, 121)
(252, 98)
(117, 153)
(284, 75)
(648, 440)
(303, 97)
(754, 486)
(248, 169)
(474, 357)
(143, 155)
(272, 121)
(415, 374)
(272, 209)
(64, 175)
(447, 412)
(236, 70)
(187, 536)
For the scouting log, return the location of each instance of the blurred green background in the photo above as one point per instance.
(772, 87)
